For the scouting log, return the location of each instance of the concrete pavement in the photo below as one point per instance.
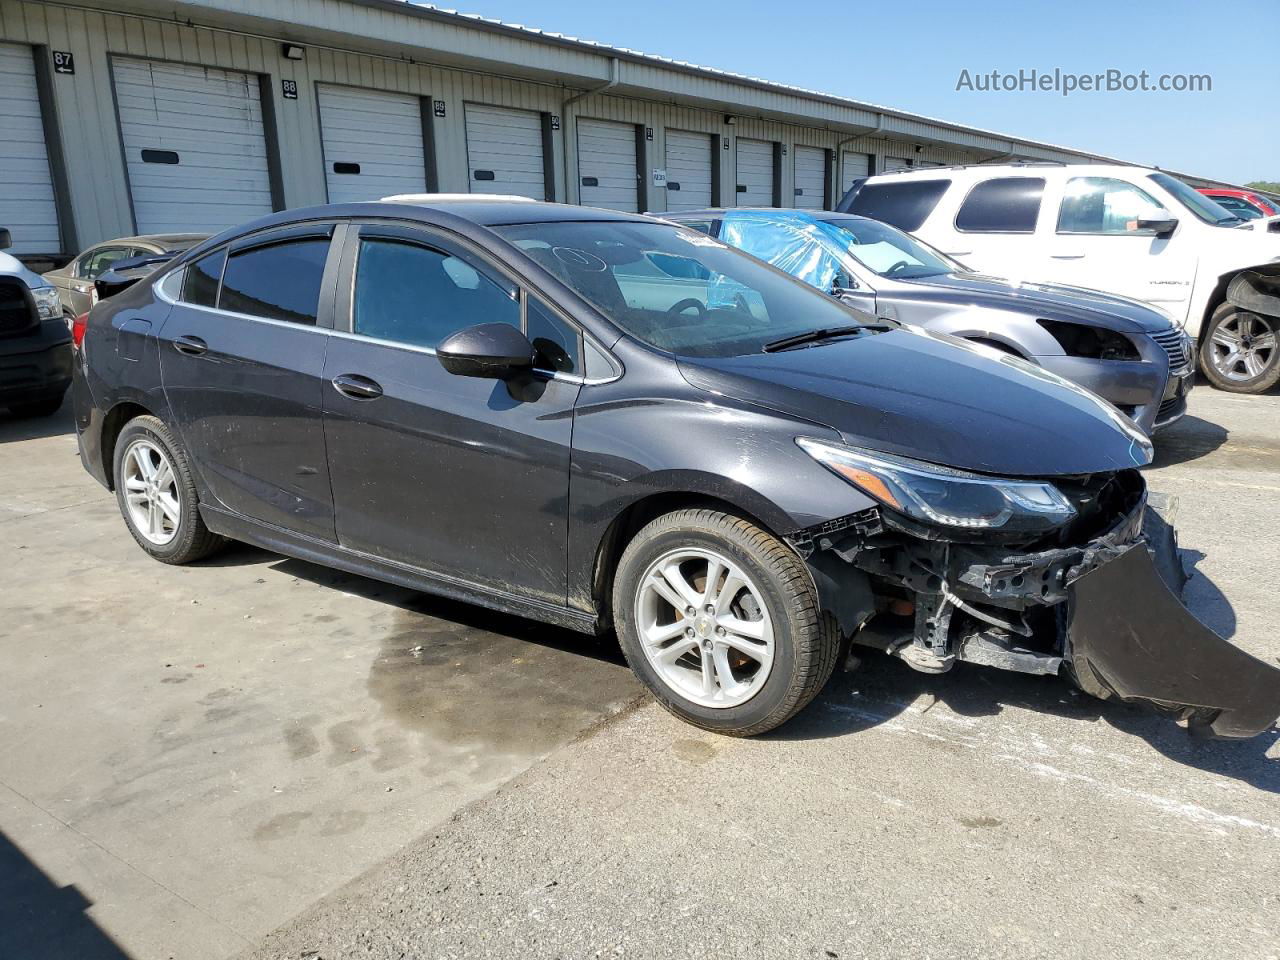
(191, 755)
(976, 814)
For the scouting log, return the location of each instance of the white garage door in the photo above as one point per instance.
(811, 178)
(193, 144)
(26, 186)
(372, 143)
(755, 173)
(689, 157)
(853, 166)
(607, 168)
(504, 151)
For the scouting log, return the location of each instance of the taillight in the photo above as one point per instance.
(78, 326)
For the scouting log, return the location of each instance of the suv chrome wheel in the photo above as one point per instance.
(1242, 346)
(704, 627)
(151, 493)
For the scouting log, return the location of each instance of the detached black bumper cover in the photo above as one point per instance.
(1129, 638)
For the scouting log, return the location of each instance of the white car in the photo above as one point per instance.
(1131, 231)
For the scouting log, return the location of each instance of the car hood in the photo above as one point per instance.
(933, 397)
(1048, 300)
(11, 266)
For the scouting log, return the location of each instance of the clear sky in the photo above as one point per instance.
(909, 55)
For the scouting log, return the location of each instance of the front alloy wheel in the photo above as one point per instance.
(720, 620)
(705, 628)
(1239, 352)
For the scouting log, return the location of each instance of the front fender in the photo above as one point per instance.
(629, 450)
(1016, 333)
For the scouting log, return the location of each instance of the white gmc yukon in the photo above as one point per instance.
(1131, 231)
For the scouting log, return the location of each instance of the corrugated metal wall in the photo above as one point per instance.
(86, 112)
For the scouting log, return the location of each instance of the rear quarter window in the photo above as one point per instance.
(905, 204)
(1002, 205)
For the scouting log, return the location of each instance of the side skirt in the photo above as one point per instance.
(279, 540)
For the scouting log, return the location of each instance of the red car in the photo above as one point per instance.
(1243, 203)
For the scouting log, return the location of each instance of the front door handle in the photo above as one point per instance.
(1066, 256)
(357, 387)
(191, 346)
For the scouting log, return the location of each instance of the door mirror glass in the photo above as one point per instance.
(497, 351)
(6, 238)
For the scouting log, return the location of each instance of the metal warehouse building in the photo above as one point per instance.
(151, 116)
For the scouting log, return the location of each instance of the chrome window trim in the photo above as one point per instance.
(316, 328)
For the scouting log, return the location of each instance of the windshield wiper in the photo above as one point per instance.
(812, 336)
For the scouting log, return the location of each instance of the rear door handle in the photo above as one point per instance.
(1066, 256)
(191, 346)
(357, 387)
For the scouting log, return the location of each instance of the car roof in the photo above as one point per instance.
(1029, 169)
(490, 210)
(165, 241)
(824, 216)
(466, 214)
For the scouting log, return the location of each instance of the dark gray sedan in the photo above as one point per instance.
(1123, 350)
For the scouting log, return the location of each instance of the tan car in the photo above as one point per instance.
(74, 281)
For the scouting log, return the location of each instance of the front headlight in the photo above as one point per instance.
(48, 305)
(953, 498)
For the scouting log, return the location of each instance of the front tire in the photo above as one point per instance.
(1240, 350)
(157, 494)
(720, 620)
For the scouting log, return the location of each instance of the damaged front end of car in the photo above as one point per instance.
(1036, 576)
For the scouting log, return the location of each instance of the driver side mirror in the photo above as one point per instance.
(6, 238)
(841, 284)
(496, 351)
(1162, 228)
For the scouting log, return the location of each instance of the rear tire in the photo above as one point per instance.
(157, 494)
(698, 665)
(1234, 355)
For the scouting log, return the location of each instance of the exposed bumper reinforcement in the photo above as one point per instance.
(1130, 638)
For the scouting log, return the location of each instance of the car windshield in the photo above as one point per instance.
(888, 252)
(677, 289)
(1203, 207)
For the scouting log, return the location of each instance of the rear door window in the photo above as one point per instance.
(906, 203)
(200, 287)
(96, 264)
(1002, 205)
(280, 281)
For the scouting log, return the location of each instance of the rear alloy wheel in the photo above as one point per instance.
(720, 620)
(157, 494)
(1238, 351)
